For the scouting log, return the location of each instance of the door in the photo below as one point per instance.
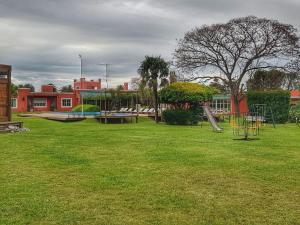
(53, 104)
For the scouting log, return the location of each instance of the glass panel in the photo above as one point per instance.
(40, 102)
(14, 103)
(67, 102)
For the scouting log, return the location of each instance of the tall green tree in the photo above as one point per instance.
(152, 71)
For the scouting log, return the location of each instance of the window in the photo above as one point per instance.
(14, 103)
(221, 105)
(40, 102)
(66, 102)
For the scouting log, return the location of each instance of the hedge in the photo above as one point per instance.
(181, 117)
(86, 108)
(277, 100)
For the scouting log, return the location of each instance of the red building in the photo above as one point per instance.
(49, 100)
(295, 96)
(225, 104)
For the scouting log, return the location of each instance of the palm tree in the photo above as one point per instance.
(152, 70)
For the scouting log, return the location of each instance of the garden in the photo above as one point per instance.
(147, 173)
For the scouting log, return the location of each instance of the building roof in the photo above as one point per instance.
(48, 94)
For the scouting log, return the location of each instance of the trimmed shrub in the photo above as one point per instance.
(86, 108)
(181, 117)
(181, 92)
(277, 100)
(295, 113)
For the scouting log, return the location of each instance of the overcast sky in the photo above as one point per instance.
(41, 39)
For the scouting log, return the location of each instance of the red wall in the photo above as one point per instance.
(66, 95)
(295, 93)
(47, 88)
(83, 84)
(243, 106)
(42, 109)
(22, 100)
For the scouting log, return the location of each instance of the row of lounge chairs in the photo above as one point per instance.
(142, 110)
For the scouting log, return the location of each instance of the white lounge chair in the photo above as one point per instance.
(123, 109)
(152, 110)
(145, 110)
(141, 110)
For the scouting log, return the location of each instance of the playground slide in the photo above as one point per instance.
(212, 120)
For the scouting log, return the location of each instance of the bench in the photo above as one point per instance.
(4, 126)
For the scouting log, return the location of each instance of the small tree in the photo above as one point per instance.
(67, 88)
(13, 89)
(54, 87)
(173, 77)
(30, 86)
(120, 88)
(219, 85)
(152, 70)
(233, 50)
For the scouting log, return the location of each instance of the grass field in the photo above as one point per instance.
(88, 173)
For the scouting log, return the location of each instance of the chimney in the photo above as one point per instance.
(125, 86)
(47, 88)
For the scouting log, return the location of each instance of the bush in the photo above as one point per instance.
(181, 92)
(295, 113)
(86, 108)
(181, 117)
(278, 101)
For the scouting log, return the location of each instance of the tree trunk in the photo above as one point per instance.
(236, 104)
(155, 103)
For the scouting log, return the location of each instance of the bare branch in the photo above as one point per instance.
(237, 49)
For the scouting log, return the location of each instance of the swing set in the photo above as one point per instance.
(249, 124)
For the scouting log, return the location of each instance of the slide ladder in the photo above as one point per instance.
(212, 119)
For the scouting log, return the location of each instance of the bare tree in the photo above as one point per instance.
(231, 51)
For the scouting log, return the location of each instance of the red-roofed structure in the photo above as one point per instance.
(295, 96)
(49, 100)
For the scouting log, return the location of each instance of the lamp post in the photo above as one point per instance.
(81, 98)
(105, 95)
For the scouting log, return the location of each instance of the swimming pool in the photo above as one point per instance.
(80, 113)
(94, 114)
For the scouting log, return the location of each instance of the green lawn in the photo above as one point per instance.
(88, 173)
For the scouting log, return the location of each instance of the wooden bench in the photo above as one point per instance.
(4, 126)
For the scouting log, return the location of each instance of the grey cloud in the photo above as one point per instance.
(42, 38)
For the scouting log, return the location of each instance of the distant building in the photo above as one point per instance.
(295, 96)
(48, 100)
(224, 104)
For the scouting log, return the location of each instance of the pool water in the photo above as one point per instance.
(80, 113)
(92, 113)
